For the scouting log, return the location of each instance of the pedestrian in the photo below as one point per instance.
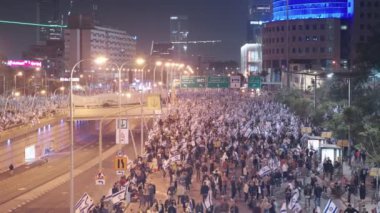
(11, 169)
(350, 209)
(307, 193)
(362, 191)
(234, 208)
(246, 190)
(317, 195)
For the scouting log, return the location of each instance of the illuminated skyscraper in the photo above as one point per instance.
(86, 8)
(259, 12)
(48, 12)
(179, 34)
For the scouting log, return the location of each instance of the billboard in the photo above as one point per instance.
(24, 63)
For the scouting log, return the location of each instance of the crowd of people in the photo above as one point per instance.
(28, 109)
(240, 148)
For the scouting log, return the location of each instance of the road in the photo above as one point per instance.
(27, 179)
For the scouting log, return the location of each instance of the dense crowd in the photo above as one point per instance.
(241, 149)
(28, 109)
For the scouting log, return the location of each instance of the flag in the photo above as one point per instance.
(207, 203)
(116, 197)
(297, 208)
(330, 207)
(85, 204)
(264, 171)
(283, 208)
(175, 158)
(294, 199)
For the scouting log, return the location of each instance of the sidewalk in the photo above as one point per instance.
(355, 200)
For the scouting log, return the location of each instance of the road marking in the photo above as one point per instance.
(21, 189)
(64, 193)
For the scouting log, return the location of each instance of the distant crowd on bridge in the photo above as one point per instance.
(28, 110)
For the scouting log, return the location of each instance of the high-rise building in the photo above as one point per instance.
(86, 8)
(179, 35)
(316, 35)
(260, 12)
(48, 13)
(116, 45)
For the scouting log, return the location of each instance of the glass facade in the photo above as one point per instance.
(312, 9)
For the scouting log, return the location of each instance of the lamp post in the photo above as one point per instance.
(157, 64)
(16, 94)
(140, 62)
(42, 92)
(119, 69)
(60, 89)
(99, 60)
(15, 79)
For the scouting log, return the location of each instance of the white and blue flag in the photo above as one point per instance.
(330, 207)
(85, 204)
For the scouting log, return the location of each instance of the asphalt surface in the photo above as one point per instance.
(57, 200)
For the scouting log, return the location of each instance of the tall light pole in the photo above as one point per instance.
(141, 62)
(119, 69)
(16, 94)
(99, 60)
(157, 64)
(15, 78)
(62, 88)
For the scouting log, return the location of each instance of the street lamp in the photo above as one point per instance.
(157, 64)
(99, 61)
(141, 62)
(60, 88)
(15, 94)
(15, 78)
(119, 69)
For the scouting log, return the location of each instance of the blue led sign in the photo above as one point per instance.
(312, 9)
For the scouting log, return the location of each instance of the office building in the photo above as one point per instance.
(315, 35)
(116, 45)
(48, 13)
(179, 33)
(365, 18)
(85, 8)
(259, 13)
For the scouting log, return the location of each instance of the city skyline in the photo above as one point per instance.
(209, 20)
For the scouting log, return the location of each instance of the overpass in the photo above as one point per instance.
(99, 112)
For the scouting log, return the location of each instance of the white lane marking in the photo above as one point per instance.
(21, 189)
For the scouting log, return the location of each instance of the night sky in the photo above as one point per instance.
(147, 19)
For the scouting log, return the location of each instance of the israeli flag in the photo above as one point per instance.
(85, 204)
(175, 158)
(207, 203)
(117, 197)
(293, 201)
(330, 207)
(264, 171)
(283, 208)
